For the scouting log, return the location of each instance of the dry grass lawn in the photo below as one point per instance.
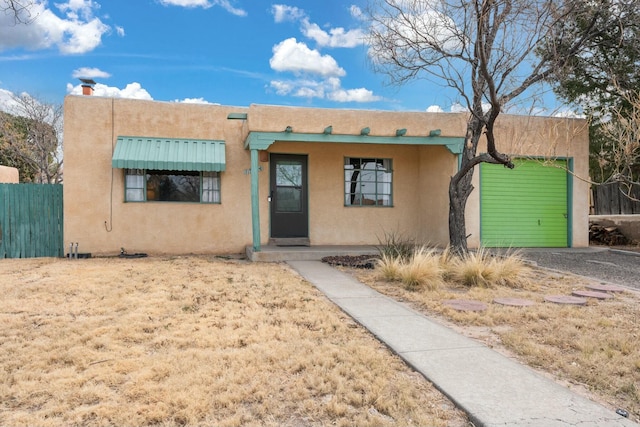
(593, 349)
(195, 341)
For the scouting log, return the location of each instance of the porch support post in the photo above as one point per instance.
(255, 205)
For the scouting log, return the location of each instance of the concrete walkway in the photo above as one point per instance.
(491, 388)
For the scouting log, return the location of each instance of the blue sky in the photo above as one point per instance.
(231, 52)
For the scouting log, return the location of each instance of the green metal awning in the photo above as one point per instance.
(134, 152)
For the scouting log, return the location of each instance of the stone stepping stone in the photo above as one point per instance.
(592, 294)
(605, 288)
(565, 299)
(514, 302)
(465, 305)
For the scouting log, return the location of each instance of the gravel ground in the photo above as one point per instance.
(610, 265)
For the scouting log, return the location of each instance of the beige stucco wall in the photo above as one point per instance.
(97, 217)
(417, 205)
(95, 214)
(437, 166)
(9, 175)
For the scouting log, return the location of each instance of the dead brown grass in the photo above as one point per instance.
(192, 341)
(593, 348)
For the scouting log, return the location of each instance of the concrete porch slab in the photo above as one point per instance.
(272, 253)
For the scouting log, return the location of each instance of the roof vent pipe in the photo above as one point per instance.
(87, 86)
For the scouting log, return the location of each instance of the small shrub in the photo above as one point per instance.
(422, 271)
(396, 245)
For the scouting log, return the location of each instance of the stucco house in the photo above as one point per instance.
(9, 175)
(175, 178)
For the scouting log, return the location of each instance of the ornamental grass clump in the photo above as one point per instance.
(422, 271)
(474, 269)
(389, 267)
(483, 269)
(511, 270)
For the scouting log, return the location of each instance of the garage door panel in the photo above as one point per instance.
(524, 207)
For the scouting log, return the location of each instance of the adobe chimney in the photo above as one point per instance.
(87, 86)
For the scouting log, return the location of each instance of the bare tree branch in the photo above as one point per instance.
(31, 136)
(19, 10)
(487, 50)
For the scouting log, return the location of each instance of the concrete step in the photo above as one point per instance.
(272, 253)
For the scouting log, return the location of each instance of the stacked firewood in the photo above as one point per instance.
(606, 235)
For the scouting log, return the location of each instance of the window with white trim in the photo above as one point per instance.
(171, 186)
(368, 182)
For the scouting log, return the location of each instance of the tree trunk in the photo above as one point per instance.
(460, 186)
(459, 191)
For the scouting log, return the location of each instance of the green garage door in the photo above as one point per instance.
(524, 207)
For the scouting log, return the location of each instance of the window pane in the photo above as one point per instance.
(134, 185)
(134, 195)
(134, 181)
(288, 199)
(368, 182)
(173, 186)
(210, 187)
(289, 174)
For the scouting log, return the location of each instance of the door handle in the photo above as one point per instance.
(270, 198)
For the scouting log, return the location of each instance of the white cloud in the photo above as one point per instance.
(195, 101)
(120, 30)
(356, 12)
(569, 114)
(329, 89)
(132, 90)
(458, 108)
(336, 37)
(318, 75)
(315, 91)
(284, 13)
(76, 31)
(205, 4)
(353, 95)
(289, 55)
(187, 3)
(434, 109)
(7, 101)
(90, 73)
(282, 88)
(415, 26)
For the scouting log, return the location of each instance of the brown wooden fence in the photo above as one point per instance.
(31, 221)
(610, 199)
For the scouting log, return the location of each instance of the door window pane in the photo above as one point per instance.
(289, 199)
(289, 174)
(288, 186)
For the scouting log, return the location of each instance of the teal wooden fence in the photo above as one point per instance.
(31, 220)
